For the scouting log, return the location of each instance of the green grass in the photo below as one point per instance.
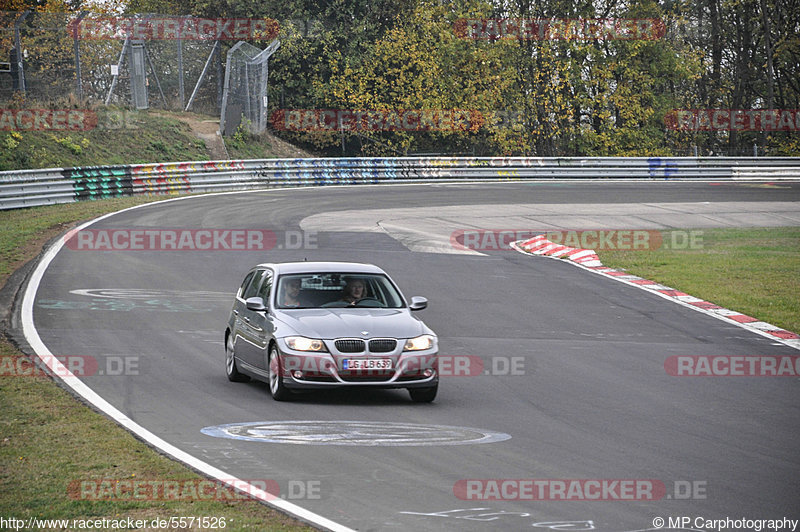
(754, 271)
(49, 439)
(122, 137)
(244, 145)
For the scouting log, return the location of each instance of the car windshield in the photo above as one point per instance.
(329, 290)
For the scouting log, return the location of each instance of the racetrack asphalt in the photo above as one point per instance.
(590, 398)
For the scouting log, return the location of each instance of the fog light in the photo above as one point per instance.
(297, 374)
(429, 372)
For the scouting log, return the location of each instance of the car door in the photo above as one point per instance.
(235, 321)
(244, 341)
(258, 324)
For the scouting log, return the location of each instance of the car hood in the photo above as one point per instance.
(351, 323)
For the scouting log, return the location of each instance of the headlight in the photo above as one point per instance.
(419, 343)
(301, 343)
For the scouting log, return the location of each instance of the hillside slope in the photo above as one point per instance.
(122, 136)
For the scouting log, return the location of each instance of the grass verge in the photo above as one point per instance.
(754, 271)
(49, 439)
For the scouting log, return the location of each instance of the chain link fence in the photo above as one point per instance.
(91, 56)
(244, 94)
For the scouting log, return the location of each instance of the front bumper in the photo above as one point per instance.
(319, 370)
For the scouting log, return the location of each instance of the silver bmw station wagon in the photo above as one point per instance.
(314, 325)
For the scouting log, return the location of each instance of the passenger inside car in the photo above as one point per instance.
(291, 293)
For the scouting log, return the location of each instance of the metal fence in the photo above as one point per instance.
(28, 188)
(62, 54)
(245, 92)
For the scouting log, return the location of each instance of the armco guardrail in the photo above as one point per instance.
(28, 188)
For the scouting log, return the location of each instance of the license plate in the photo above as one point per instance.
(367, 363)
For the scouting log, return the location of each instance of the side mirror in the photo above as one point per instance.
(418, 303)
(255, 303)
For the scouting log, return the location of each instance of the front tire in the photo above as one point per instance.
(230, 362)
(277, 389)
(423, 395)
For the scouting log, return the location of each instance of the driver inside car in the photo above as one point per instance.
(354, 291)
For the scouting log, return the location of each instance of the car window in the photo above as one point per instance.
(245, 284)
(266, 287)
(318, 290)
(255, 283)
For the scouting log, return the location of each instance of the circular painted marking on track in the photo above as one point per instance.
(366, 433)
(141, 293)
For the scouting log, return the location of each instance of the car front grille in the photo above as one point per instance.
(350, 346)
(382, 345)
